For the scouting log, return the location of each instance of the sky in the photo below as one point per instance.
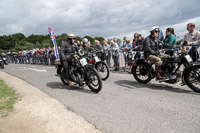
(106, 18)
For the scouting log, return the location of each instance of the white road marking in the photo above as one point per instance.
(37, 70)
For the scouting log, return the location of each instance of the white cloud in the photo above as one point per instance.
(107, 18)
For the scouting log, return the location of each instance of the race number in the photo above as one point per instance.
(83, 61)
(96, 59)
(188, 58)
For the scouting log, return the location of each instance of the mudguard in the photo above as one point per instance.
(138, 62)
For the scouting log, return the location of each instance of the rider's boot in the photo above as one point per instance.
(158, 76)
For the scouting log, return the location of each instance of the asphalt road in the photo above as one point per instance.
(123, 105)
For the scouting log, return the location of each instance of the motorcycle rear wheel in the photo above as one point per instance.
(140, 71)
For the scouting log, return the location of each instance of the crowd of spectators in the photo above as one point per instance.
(111, 49)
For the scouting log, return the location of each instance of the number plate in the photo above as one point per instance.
(96, 59)
(189, 59)
(83, 61)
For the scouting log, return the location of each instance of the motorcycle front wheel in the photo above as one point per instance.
(94, 80)
(192, 78)
(103, 70)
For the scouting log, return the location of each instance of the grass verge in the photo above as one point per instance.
(8, 97)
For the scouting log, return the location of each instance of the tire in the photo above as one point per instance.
(193, 72)
(2, 65)
(102, 67)
(61, 77)
(91, 73)
(144, 68)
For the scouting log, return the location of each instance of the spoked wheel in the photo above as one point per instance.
(103, 70)
(142, 73)
(94, 80)
(192, 78)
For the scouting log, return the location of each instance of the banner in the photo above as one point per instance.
(52, 36)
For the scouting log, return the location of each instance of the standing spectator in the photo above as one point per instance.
(124, 40)
(139, 46)
(98, 45)
(100, 48)
(114, 48)
(115, 40)
(160, 35)
(170, 39)
(193, 37)
(135, 39)
(79, 44)
(107, 53)
(127, 49)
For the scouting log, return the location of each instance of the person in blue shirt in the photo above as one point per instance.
(160, 34)
(127, 48)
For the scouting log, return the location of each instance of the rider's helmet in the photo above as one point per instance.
(155, 28)
(85, 42)
(70, 37)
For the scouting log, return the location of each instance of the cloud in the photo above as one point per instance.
(107, 18)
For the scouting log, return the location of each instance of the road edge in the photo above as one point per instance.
(43, 110)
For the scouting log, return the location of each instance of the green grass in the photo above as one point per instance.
(8, 97)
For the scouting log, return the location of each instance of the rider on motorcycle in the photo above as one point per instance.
(85, 47)
(67, 52)
(152, 46)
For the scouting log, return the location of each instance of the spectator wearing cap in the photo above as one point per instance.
(139, 42)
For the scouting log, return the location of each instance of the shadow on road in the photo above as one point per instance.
(60, 85)
(134, 85)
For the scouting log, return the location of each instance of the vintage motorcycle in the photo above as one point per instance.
(143, 70)
(81, 74)
(98, 64)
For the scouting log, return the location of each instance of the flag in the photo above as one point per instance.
(52, 36)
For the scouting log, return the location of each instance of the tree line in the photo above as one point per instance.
(19, 42)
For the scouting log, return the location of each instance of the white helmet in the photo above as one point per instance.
(155, 28)
(85, 40)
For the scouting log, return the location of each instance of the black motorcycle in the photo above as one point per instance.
(143, 70)
(82, 74)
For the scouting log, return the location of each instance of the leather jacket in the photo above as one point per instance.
(67, 51)
(152, 46)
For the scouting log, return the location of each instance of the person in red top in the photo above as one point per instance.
(134, 40)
